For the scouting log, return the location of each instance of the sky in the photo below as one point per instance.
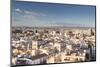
(50, 14)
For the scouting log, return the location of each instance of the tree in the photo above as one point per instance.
(55, 51)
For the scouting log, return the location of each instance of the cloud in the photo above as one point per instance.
(18, 10)
(30, 13)
(34, 13)
(27, 17)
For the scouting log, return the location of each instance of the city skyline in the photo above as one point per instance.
(50, 14)
(51, 33)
